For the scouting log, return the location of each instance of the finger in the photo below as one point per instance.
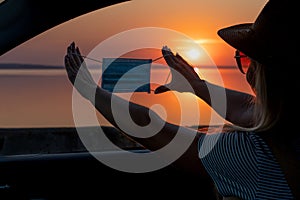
(186, 65)
(73, 63)
(167, 52)
(68, 64)
(170, 58)
(182, 67)
(75, 54)
(70, 72)
(80, 63)
(161, 89)
(172, 61)
(69, 67)
(74, 74)
(178, 59)
(183, 61)
(70, 49)
(79, 53)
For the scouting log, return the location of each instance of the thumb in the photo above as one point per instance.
(161, 89)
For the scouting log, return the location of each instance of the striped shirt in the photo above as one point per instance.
(242, 165)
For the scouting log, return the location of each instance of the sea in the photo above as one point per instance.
(42, 96)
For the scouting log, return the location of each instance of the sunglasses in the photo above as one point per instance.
(242, 61)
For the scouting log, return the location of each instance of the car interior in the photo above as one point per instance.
(52, 162)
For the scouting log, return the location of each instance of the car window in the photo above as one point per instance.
(37, 97)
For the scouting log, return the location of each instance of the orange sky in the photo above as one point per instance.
(197, 20)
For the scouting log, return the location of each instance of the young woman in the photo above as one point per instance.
(258, 155)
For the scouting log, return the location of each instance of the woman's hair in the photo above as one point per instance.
(267, 106)
(267, 102)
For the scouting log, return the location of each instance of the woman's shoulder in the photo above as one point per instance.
(227, 138)
(226, 132)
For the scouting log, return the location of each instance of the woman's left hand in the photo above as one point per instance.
(78, 72)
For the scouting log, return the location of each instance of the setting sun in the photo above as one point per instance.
(193, 54)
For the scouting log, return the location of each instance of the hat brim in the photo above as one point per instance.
(242, 37)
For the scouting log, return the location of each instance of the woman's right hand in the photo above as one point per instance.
(178, 67)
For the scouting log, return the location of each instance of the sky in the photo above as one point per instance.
(197, 19)
(44, 98)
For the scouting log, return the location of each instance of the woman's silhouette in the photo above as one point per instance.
(257, 156)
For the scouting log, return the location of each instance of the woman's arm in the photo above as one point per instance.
(239, 107)
(82, 80)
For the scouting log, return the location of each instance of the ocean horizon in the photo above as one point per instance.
(41, 95)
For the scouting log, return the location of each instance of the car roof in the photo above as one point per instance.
(21, 20)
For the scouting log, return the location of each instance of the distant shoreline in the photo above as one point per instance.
(19, 66)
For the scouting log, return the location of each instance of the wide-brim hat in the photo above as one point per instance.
(267, 38)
